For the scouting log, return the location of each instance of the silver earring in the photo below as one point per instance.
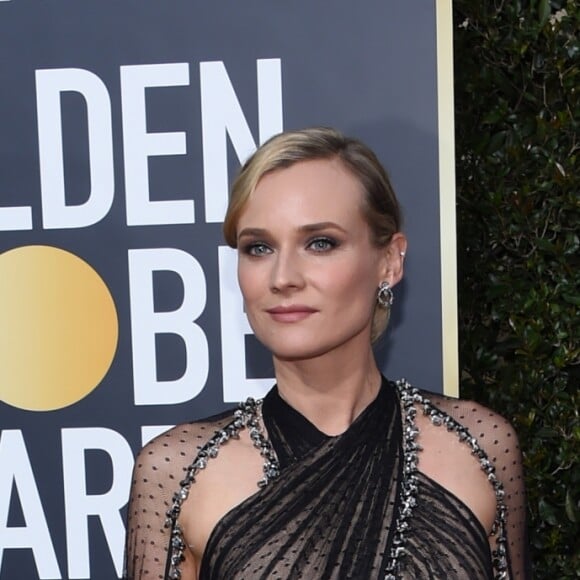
(385, 295)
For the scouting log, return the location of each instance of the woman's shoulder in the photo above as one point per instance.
(158, 474)
(167, 454)
(495, 436)
(493, 432)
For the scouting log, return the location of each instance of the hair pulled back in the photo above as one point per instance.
(379, 207)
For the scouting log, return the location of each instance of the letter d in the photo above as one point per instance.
(56, 214)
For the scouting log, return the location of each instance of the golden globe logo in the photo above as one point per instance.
(59, 328)
(58, 324)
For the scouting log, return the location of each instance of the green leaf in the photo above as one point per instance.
(496, 142)
(517, 100)
(547, 512)
(544, 11)
(570, 507)
(547, 433)
(572, 299)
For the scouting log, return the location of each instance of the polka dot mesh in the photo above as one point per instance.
(499, 440)
(159, 468)
(284, 532)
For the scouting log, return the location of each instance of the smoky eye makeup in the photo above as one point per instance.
(322, 244)
(255, 248)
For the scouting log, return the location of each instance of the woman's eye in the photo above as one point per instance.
(322, 244)
(257, 249)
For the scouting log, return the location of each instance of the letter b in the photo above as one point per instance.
(146, 324)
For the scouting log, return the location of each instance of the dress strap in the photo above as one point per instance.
(247, 416)
(410, 398)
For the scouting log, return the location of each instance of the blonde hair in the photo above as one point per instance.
(380, 207)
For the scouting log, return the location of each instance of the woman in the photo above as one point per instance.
(337, 473)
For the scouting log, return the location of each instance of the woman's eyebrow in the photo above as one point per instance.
(307, 228)
(252, 232)
(321, 226)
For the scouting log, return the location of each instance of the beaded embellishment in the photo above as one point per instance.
(248, 416)
(409, 397)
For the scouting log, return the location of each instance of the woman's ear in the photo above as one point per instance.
(394, 259)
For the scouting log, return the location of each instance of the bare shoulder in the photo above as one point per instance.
(449, 461)
(158, 471)
(496, 436)
(230, 476)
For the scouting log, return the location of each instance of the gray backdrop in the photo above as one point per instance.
(101, 81)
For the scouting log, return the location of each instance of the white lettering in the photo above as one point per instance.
(49, 86)
(80, 505)
(146, 323)
(15, 468)
(222, 115)
(234, 327)
(140, 145)
(149, 432)
(15, 218)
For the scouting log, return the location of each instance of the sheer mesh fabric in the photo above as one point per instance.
(159, 467)
(330, 515)
(447, 539)
(325, 516)
(499, 440)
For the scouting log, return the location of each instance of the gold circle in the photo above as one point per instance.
(58, 328)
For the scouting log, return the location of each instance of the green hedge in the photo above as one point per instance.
(517, 82)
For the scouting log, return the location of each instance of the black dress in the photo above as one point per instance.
(353, 506)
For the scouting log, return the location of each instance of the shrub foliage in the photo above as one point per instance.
(517, 118)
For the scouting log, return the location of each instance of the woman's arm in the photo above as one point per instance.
(147, 539)
(501, 445)
(156, 476)
(499, 440)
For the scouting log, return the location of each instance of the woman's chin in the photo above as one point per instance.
(303, 350)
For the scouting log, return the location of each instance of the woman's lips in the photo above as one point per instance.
(293, 313)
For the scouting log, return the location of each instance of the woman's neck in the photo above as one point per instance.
(329, 395)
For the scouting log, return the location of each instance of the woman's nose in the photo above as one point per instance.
(286, 272)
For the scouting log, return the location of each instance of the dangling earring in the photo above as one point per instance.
(385, 295)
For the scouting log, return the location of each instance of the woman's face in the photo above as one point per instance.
(307, 268)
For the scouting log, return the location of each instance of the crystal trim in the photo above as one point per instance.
(248, 416)
(411, 397)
